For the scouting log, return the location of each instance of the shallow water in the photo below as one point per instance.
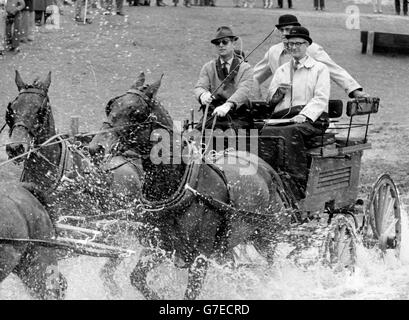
(375, 277)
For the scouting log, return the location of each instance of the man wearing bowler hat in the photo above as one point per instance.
(233, 79)
(278, 54)
(300, 91)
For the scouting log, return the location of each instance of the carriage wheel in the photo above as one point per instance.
(340, 247)
(382, 224)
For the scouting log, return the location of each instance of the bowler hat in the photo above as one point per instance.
(299, 32)
(223, 32)
(287, 20)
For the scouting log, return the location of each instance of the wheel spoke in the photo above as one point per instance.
(390, 227)
(378, 212)
(382, 196)
(389, 216)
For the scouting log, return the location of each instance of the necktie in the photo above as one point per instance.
(296, 64)
(224, 69)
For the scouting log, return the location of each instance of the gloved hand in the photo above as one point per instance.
(222, 110)
(206, 98)
(299, 118)
(360, 94)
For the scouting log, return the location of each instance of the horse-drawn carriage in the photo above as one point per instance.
(331, 192)
(208, 209)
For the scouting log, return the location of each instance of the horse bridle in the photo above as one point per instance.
(149, 121)
(9, 117)
(12, 125)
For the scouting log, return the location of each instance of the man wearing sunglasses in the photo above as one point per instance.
(278, 54)
(300, 90)
(233, 79)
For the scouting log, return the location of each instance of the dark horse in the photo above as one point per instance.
(49, 158)
(22, 216)
(201, 209)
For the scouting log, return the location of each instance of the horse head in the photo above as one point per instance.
(29, 116)
(131, 118)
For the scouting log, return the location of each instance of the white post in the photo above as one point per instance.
(74, 125)
(85, 11)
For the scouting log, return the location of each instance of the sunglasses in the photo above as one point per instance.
(224, 42)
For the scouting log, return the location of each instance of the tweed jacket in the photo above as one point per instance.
(310, 87)
(275, 57)
(236, 92)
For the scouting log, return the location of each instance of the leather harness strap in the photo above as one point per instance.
(221, 174)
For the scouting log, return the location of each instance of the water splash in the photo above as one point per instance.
(376, 276)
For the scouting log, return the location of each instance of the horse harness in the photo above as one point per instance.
(150, 119)
(180, 199)
(66, 161)
(65, 166)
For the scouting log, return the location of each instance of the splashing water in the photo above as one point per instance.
(375, 277)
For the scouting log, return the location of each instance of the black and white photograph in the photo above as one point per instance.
(222, 151)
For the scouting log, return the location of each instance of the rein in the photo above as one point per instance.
(86, 249)
(2, 128)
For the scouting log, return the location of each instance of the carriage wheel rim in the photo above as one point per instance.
(383, 213)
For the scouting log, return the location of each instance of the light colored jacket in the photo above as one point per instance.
(237, 94)
(310, 87)
(275, 57)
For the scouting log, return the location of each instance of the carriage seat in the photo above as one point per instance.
(321, 141)
(260, 110)
(334, 112)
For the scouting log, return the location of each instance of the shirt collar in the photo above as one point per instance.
(229, 62)
(306, 62)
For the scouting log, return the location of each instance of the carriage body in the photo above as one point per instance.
(332, 188)
(333, 180)
(334, 162)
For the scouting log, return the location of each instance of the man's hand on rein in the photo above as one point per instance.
(222, 110)
(206, 98)
(299, 118)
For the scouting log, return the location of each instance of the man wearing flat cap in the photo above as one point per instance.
(233, 79)
(300, 90)
(279, 54)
